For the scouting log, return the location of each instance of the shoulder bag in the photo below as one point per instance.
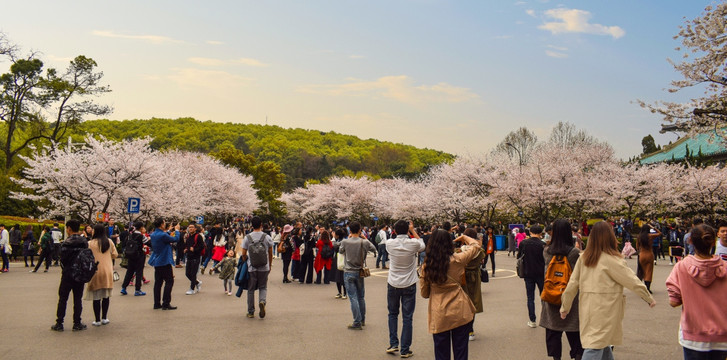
(364, 272)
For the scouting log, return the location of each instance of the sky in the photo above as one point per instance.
(455, 76)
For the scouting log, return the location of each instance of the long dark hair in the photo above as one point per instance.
(99, 233)
(439, 250)
(644, 241)
(561, 242)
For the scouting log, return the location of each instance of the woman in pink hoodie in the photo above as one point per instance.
(699, 284)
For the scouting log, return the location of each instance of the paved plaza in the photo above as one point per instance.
(303, 322)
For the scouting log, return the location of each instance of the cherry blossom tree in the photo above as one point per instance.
(102, 175)
(704, 46)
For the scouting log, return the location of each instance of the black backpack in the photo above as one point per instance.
(258, 252)
(131, 250)
(84, 266)
(326, 252)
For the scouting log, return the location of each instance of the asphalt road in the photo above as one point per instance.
(303, 322)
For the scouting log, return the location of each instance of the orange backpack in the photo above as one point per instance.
(556, 279)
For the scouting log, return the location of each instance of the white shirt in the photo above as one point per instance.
(57, 235)
(721, 250)
(403, 253)
(4, 237)
(383, 237)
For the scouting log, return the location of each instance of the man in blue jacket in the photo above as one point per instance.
(163, 262)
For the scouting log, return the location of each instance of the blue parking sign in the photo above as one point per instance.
(133, 205)
(200, 220)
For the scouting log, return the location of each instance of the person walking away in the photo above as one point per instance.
(162, 260)
(511, 243)
(195, 248)
(340, 234)
(101, 285)
(324, 258)
(67, 254)
(276, 241)
(450, 309)
(57, 237)
(285, 249)
(490, 251)
(531, 251)
(5, 248)
(473, 281)
(15, 237)
(646, 254)
(561, 246)
(698, 283)
(598, 280)
(354, 248)
(255, 246)
(135, 256)
(46, 249)
(29, 246)
(380, 239)
(401, 286)
(227, 268)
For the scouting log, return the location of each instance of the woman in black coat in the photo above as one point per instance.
(29, 246)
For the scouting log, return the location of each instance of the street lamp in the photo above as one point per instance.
(519, 155)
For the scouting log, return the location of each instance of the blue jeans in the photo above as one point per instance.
(530, 291)
(355, 288)
(407, 298)
(598, 354)
(704, 355)
(383, 256)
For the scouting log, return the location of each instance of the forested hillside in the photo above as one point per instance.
(301, 154)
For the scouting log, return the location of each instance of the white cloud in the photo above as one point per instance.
(213, 79)
(559, 48)
(220, 62)
(60, 59)
(555, 54)
(154, 39)
(576, 21)
(399, 88)
(530, 12)
(356, 56)
(214, 42)
(251, 62)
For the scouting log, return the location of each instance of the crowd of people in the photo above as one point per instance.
(579, 273)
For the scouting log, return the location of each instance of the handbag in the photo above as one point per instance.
(281, 247)
(484, 276)
(218, 253)
(340, 261)
(8, 249)
(520, 267)
(116, 276)
(364, 272)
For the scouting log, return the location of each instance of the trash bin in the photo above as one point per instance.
(501, 242)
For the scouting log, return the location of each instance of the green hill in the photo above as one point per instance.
(301, 154)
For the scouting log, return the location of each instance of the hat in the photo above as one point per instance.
(287, 228)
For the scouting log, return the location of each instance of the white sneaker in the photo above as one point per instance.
(96, 323)
(190, 292)
(105, 321)
(472, 336)
(229, 294)
(532, 324)
(199, 287)
(671, 263)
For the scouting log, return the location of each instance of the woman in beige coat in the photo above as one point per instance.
(450, 309)
(102, 283)
(600, 275)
